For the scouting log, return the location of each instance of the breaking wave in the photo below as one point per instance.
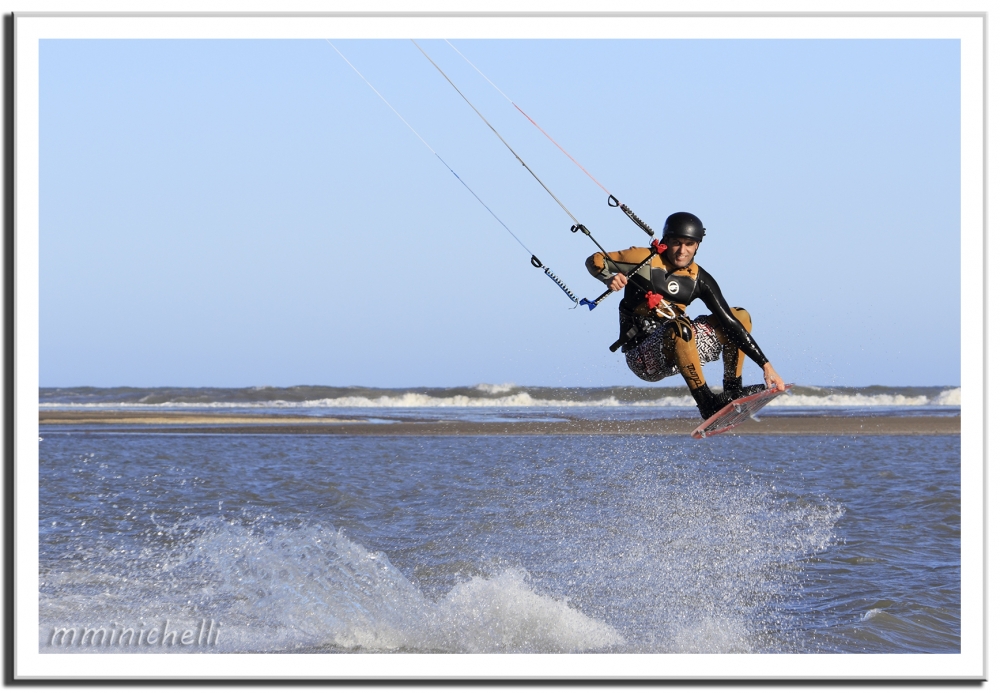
(480, 396)
(951, 397)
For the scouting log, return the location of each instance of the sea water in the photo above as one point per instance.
(326, 543)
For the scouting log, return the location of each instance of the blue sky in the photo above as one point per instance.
(236, 213)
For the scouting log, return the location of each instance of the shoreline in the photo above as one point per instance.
(211, 423)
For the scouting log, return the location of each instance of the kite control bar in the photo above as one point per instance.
(657, 249)
(593, 304)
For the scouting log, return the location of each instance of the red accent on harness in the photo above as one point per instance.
(653, 300)
(658, 247)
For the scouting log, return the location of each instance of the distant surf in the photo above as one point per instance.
(478, 396)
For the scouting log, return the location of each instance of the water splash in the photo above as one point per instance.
(307, 588)
(714, 559)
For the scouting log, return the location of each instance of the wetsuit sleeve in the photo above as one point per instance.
(708, 291)
(620, 261)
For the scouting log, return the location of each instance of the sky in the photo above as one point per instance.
(249, 213)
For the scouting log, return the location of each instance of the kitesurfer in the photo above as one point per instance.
(656, 345)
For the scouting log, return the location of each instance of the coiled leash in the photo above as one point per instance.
(534, 259)
(559, 282)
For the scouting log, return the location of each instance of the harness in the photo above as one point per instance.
(635, 328)
(641, 326)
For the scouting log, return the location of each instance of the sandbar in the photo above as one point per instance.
(211, 423)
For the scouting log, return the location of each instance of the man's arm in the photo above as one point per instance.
(621, 262)
(710, 293)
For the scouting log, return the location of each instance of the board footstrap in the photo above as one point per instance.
(736, 412)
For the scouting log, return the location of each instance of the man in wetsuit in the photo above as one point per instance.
(657, 345)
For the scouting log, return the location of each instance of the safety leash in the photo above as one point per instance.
(534, 259)
(612, 200)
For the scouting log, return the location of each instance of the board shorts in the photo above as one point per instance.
(648, 361)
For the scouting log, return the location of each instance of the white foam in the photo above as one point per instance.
(495, 389)
(952, 397)
(408, 400)
(794, 400)
(510, 617)
(523, 400)
(949, 398)
(870, 614)
(311, 587)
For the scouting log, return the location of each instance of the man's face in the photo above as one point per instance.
(680, 251)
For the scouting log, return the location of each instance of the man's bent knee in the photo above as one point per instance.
(743, 315)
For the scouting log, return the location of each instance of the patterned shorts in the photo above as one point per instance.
(648, 361)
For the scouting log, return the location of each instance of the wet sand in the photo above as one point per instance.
(154, 418)
(186, 422)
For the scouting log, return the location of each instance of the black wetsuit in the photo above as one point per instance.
(653, 352)
(680, 288)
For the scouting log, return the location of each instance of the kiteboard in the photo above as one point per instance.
(736, 412)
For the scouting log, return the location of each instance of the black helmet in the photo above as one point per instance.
(683, 225)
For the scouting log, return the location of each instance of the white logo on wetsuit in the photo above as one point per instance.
(673, 287)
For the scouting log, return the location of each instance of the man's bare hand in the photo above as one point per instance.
(618, 282)
(772, 379)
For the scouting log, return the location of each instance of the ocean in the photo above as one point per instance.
(182, 541)
(494, 402)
